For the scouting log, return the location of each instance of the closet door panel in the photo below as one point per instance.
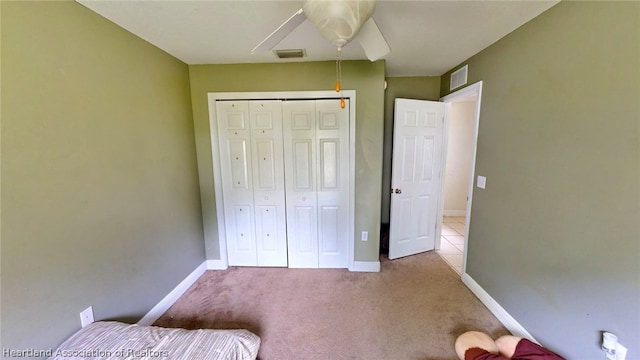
(243, 225)
(267, 228)
(268, 182)
(329, 164)
(304, 220)
(303, 165)
(266, 172)
(235, 149)
(237, 159)
(329, 237)
(299, 121)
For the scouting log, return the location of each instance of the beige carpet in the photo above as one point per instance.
(413, 309)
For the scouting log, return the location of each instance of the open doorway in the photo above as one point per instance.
(463, 113)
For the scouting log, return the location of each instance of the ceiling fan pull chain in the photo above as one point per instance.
(339, 75)
(338, 70)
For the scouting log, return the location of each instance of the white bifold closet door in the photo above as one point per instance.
(251, 159)
(316, 149)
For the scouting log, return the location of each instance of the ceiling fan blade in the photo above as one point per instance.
(372, 41)
(281, 32)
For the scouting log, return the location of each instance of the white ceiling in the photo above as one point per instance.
(426, 37)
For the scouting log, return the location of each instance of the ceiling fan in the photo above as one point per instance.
(338, 21)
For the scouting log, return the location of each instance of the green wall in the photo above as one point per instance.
(555, 237)
(100, 202)
(416, 87)
(363, 76)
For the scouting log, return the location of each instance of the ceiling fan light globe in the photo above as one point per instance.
(339, 43)
(338, 21)
(337, 29)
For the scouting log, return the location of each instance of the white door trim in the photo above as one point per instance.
(284, 95)
(475, 88)
(497, 310)
(161, 307)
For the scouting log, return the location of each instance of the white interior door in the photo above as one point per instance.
(235, 149)
(284, 180)
(332, 139)
(416, 175)
(316, 138)
(268, 182)
(299, 121)
(251, 158)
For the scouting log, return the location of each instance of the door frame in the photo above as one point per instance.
(469, 91)
(276, 95)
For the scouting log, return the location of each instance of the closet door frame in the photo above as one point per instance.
(213, 97)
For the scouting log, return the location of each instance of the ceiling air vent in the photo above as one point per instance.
(458, 77)
(289, 53)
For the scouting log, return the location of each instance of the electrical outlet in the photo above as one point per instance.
(364, 236)
(621, 352)
(86, 316)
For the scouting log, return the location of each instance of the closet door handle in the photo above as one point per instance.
(398, 191)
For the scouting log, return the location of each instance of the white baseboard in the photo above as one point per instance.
(454, 212)
(365, 266)
(217, 265)
(164, 304)
(498, 311)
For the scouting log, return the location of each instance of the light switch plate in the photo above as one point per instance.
(364, 236)
(482, 182)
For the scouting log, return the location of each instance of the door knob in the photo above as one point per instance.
(398, 191)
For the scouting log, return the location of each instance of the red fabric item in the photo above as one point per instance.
(481, 354)
(525, 350)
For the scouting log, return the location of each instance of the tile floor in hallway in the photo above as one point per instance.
(452, 241)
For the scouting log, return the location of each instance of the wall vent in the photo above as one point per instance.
(458, 77)
(289, 53)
